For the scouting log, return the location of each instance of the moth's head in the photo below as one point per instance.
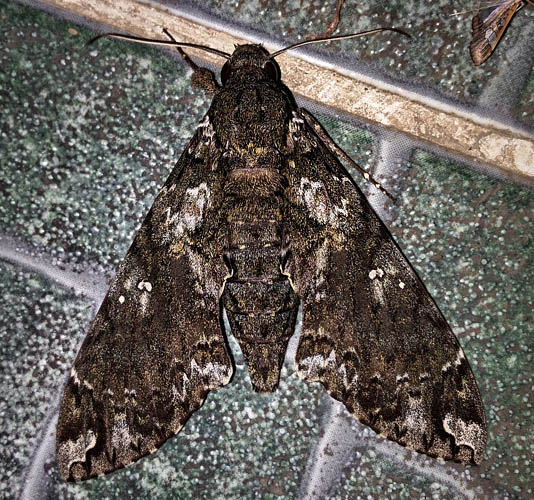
(250, 60)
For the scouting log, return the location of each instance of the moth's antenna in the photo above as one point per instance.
(338, 37)
(149, 41)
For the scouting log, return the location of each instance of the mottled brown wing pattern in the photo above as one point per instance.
(155, 347)
(488, 30)
(371, 333)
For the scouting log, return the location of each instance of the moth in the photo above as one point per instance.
(259, 218)
(488, 29)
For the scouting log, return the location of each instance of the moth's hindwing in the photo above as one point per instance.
(155, 347)
(371, 333)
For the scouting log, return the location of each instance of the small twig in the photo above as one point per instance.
(332, 27)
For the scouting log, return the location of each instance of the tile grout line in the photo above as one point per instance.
(87, 284)
(34, 481)
(326, 458)
(33, 478)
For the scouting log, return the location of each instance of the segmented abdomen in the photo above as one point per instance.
(259, 300)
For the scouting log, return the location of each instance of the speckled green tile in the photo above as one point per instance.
(40, 326)
(373, 473)
(91, 134)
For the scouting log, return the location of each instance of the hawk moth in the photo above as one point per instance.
(259, 217)
(488, 31)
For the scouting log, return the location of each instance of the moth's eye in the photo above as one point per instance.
(272, 70)
(226, 72)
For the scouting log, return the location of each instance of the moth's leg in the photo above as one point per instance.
(202, 77)
(337, 151)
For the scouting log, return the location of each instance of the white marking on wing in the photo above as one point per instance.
(343, 209)
(315, 363)
(378, 285)
(74, 376)
(130, 281)
(204, 123)
(331, 360)
(353, 383)
(214, 374)
(76, 450)
(465, 433)
(145, 285)
(181, 394)
(321, 267)
(446, 366)
(297, 118)
(205, 284)
(88, 385)
(143, 302)
(191, 214)
(120, 432)
(414, 417)
(378, 291)
(315, 196)
(217, 374)
(311, 366)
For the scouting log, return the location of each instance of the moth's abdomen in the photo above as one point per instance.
(259, 300)
(262, 316)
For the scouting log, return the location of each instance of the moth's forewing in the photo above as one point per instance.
(155, 347)
(371, 333)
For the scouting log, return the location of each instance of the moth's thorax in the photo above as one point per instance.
(250, 115)
(252, 110)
